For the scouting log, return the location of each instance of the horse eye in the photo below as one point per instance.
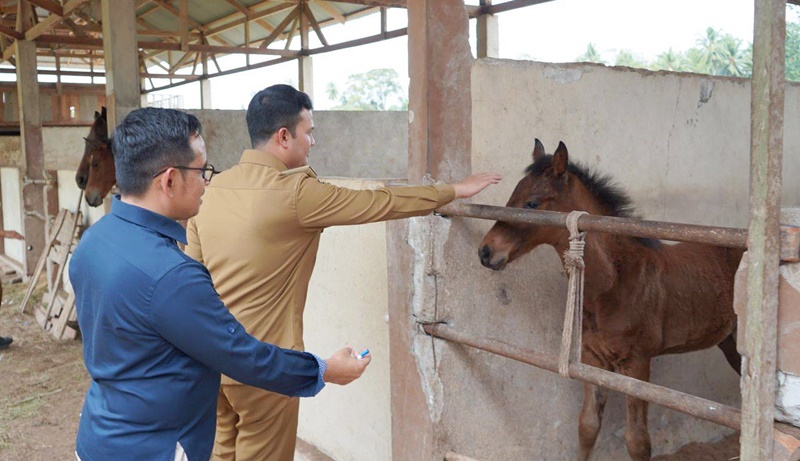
(532, 205)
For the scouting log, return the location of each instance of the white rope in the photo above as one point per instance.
(573, 318)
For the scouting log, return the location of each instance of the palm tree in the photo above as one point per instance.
(669, 60)
(711, 46)
(626, 58)
(731, 57)
(591, 55)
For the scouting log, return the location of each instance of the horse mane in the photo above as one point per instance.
(602, 187)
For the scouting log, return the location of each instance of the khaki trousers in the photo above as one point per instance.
(255, 425)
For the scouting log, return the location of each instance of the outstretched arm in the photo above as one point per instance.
(471, 185)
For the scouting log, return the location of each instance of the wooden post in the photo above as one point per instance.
(488, 35)
(121, 59)
(766, 152)
(30, 124)
(305, 64)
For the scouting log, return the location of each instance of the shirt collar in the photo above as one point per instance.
(148, 219)
(262, 158)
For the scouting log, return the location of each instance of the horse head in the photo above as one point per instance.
(551, 183)
(96, 174)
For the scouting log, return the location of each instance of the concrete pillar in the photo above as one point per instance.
(488, 34)
(440, 101)
(205, 93)
(121, 59)
(305, 69)
(440, 104)
(30, 124)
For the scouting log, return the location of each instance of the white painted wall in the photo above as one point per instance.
(12, 212)
(348, 304)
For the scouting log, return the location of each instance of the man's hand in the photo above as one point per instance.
(471, 185)
(10, 234)
(344, 366)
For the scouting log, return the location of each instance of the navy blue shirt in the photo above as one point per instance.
(156, 338)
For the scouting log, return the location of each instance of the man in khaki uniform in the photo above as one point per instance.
(258, 232)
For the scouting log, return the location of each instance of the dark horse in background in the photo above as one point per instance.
(642, 298)
(96, 174)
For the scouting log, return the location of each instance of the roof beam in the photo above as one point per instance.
(184, 25)
(49, 5)
(387, 3)
(215, 29)
(11, 33)
(243, 9)
(51, 21)
(475, 10)
(279, 30)
(335, 14)
(315, 25)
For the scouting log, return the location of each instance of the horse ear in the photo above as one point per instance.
(103, 113)
(538, 150)
(96, 115)
(560, 160)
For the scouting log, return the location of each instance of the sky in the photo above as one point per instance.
(556, 31)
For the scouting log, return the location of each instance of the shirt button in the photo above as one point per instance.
(231, 329)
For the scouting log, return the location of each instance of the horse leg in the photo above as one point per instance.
(637, 438)
(594, 402)
(591, 418)
(728, 346)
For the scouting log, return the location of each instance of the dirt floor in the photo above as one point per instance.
(43, 383)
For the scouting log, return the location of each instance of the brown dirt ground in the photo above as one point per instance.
(43, 383)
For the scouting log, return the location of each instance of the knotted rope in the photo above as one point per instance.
(573, 318)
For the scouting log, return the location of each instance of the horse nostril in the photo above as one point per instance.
(485, 254)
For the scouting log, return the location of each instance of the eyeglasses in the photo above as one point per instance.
(208, 171)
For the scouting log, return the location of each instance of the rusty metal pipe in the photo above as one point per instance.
(721, 236)
(685, 403)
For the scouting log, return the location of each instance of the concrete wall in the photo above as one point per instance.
(350, 144)
(348, 304)
(679, 144)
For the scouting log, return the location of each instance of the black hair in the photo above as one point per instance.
(602, 187)
(273, 108)
(149, 140)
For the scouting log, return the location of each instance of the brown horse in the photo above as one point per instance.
(96, 174)
(641, 298)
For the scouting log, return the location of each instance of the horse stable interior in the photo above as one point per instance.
(686, 148)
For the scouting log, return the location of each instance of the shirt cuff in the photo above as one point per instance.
(446, 193)
(322, 367)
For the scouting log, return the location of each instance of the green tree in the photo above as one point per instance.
(669, 60)
(377, 89)
(626, 58)
(591, 55)
(711, 52)
(731, 57)
(792, 45)
(331, 91)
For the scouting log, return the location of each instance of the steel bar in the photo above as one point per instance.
(721, 236)
(708, 410)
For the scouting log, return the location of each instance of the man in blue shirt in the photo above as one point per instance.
(156, 335)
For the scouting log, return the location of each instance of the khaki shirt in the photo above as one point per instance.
(258, 233)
